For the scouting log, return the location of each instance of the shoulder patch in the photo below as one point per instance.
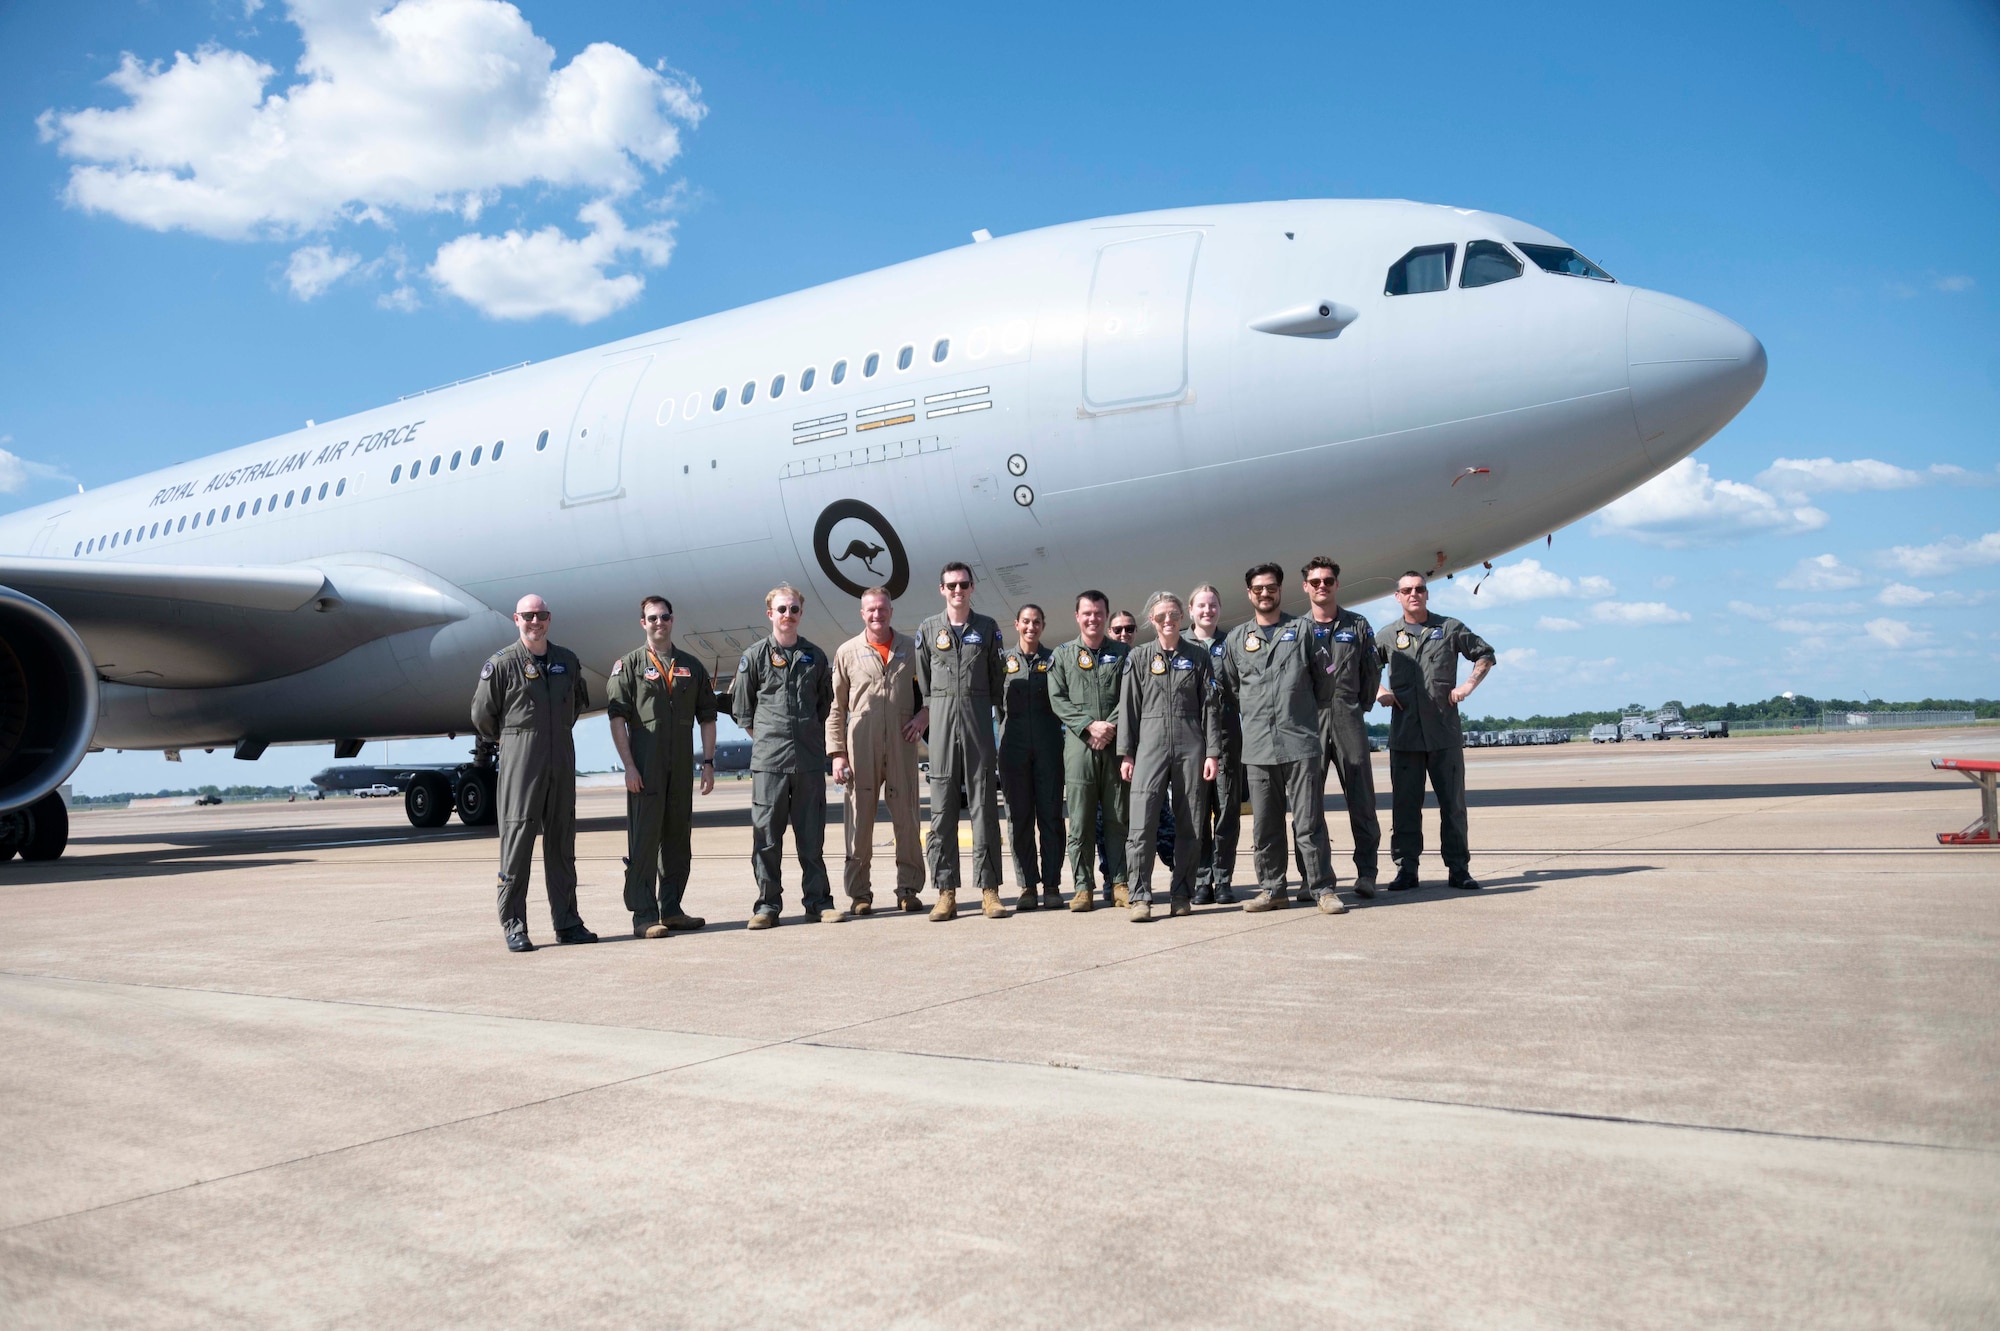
(618, 666)
(1219, 649)
(486, 671)
(743, 661)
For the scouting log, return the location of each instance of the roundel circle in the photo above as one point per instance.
(857, 549)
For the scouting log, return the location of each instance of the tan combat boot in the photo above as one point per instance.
(989, 902)
(947, 904)
(1084, 899)
(832, 915)
(1142, 911)
(863, 906)
(1121, 895)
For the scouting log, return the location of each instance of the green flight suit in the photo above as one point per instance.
(1268, 673)
(1169, 724)
(782, 696)
(660, 702)
(1425, 739)
(528, 705)
(1031, 772)
(963, 680)
(1083, 687)
(1343, 651)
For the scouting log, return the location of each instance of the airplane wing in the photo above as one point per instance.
(197, 626)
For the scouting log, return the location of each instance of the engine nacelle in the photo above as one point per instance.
(48, 700)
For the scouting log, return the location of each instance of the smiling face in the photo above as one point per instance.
(1090, 617)
(1265, 592)
(956, 588)
(531, 617)
(1028, 627)
(1207, 611)
(658, 621)
(1166, 619)
(876, 610)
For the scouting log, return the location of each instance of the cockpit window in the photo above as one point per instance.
(1487, 262)
(1564, 261)
(1424, 269)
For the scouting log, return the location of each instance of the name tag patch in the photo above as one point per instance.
(1182, 663)
(1345, 635)
(558, 669)
(1437, 635)
(972, 637)
(1289, 635)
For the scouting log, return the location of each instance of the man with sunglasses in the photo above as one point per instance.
(1343, 652)
(962, 675)
(783, 692)
(1420, 654)
(656, 696)
(529, 696)
(1267, 668)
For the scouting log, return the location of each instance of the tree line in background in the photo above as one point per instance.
(225, 792)
(1797, 708)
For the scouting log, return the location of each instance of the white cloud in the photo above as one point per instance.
(1951, 555)
(1749, 611)
(1901, 593)
(1822, 573)
(1808, 627)
(1955, 284)
(1684, 505)
(1795, 480)
(314, 268)
(521, 275)
(426, 105)
(1557, 624)
(1520, 658)
(1637, 613)
(18, 473)
(1510, 584)
(1894, 633)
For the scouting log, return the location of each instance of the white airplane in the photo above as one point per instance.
(1130, 403)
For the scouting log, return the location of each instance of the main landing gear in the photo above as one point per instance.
(38, 832)
(472, 789)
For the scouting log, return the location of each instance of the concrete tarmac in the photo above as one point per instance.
(1716, 1047)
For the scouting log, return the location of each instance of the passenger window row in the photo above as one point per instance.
(871, 365)
(1428, 267)
(250, 508)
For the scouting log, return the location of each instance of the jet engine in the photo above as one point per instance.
(48, 713)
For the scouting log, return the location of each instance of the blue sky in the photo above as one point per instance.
(191, 264)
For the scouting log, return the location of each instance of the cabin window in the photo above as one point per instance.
(322, 490)
(256, 508)
(182, 525)
(156, 529)
(1564, 261)
(872, 364)
(476, 451)
(904, 357)
(498, 444)
(456, 454)
(397, 474)
(1487, 262)
(340, 488)
(806, 379)
(940, 351)
(541, 442)
(721, 399)
(778, 386)
(749, 391)
(839, 371)
(1427, 268)
(436, 462)
(288, 499)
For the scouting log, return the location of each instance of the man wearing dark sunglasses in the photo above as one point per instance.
(657, 694)
(1343, 652)
(783, 692)
(1420, 654)
(962, 675)
(529, 696)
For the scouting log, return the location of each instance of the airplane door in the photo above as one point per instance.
(879, 515)
(1135, 333)
(594, 459)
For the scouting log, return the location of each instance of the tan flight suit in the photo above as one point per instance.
(872, 702)
(528, 705)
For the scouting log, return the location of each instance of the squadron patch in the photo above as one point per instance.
(1159, 665)
(652, 676)
(743, 661)
(1085, 661)
(618, 666)
(1402, 640)
(1252, 643)
(1013, 665)
(1042, 667)
(943, 642)
(777, 658)
(533, 671)
(486, 671)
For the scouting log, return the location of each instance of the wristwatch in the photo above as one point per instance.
(708, 762)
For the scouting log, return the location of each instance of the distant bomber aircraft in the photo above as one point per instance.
(1054, 407)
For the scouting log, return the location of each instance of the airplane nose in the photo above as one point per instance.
(1691, 371)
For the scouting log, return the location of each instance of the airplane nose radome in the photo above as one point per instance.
(1691, 371)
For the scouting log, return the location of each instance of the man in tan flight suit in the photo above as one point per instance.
(871, 735)
(528, 699)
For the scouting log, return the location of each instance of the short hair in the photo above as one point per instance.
(1257, 571)
(1320, 561)
(1158, 599)
(782, 589)
(1205, 587)
(1094, 595)
(1411, 573)
(656, 600)
(956, 566)
(882, 592)
(1026, 606)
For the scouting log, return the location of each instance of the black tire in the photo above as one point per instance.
(477, 798)
(48, 829)
(427, 800)
(6, 851)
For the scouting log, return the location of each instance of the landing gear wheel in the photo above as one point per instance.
(427, 801)
(48, 829)
(477, 805)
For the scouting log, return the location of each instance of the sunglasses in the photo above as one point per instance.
(1124, 628)
(659, 619)
(1263, 589)
(789, 609)
(958, 586)
(1321, 582)
(531, 615)
(1413, 591)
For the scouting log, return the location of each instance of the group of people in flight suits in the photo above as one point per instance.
(1097, 744)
